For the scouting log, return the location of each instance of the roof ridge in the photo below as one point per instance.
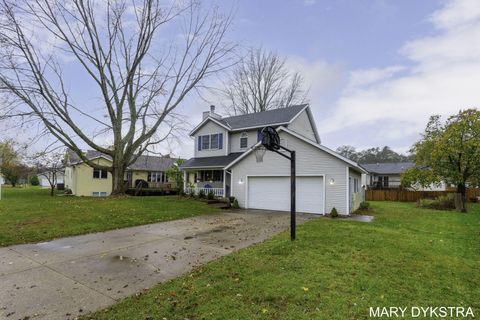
(266, 111)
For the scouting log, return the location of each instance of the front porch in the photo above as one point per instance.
(214, 180)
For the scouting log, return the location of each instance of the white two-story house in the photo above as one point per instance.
(225, 163)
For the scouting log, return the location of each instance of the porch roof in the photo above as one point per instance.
(211, 162)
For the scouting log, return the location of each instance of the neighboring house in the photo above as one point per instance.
(1, 180)
(385, 175)
(44, 183)
(225, 163)
(84, 180)
(388, 176)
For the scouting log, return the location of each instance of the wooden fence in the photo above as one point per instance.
(412, 196)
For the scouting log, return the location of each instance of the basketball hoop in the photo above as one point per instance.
(270, 139)
(260, 152)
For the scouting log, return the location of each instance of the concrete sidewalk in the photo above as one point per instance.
(64, 278)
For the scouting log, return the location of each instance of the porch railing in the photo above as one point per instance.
(217, 192)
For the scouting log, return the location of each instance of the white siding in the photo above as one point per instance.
(235, 140)
(310, 161)
(69, 179)
(210, 127)
(357, 197)
(303, 126)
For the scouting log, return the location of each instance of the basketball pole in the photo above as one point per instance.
(293, 190)
(271, 141)
(293, 186)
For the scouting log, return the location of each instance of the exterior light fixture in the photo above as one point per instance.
(332, 181)
(240, 181)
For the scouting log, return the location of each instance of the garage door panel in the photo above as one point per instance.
(273, 193)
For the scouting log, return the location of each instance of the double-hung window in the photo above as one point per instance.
(214, 141)
(205, 142)
(210, 142)
(99, 174)
(244, 140)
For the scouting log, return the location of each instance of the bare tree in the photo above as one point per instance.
(50, 165)
(260, 82)
(137, 79)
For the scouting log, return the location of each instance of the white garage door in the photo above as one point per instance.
(273, 193)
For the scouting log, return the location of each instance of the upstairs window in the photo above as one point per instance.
(205, 142)
(214, 141)
(244, 140)
(99, 174)
(210, 142)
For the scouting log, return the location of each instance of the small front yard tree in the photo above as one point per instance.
(10, 166)
(176, 175)
(448, 151)
(49, 166)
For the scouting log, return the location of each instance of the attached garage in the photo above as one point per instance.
(273, 193)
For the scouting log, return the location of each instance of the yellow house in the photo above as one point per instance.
(83, 180)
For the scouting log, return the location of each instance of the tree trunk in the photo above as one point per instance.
(118, 185)
(460, 198)
(52, 190)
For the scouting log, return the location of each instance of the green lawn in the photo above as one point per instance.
(31, 215)
(336, 269)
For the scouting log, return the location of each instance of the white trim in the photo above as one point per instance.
(348, 191)
(224, 183)
(91, 159)
(286, 176)
(227, 138)
(260, 126)
(231, 183)
(314, 126)
(205, 121)
(201, 167)
(311, 120)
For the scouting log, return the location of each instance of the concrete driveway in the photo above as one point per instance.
(64, 278)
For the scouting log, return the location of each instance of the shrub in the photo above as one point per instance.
(34, 181)
(364, 205)
(68, 191)
(334, 213)
(210, 195)
(232, 199)
(446, 202)
(201, 194)
(235, 204)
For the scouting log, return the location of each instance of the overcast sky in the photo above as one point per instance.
(376, 70)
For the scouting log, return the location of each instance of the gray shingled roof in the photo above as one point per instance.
(388, 168)
(144, 162)
(220, 161)
(259, 119)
